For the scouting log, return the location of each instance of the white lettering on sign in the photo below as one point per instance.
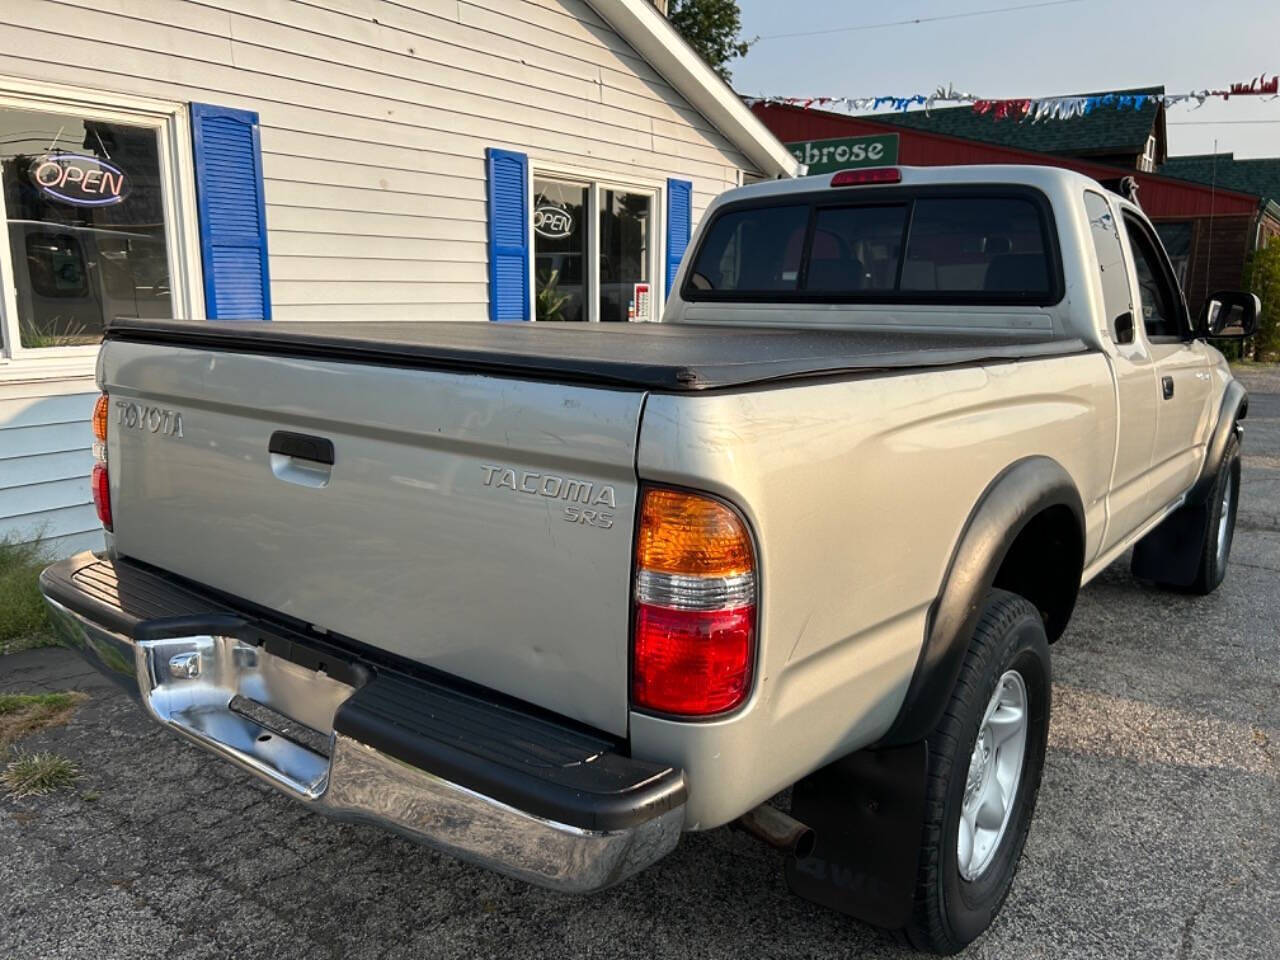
(824, 156)
(552, 222)
(79, 180)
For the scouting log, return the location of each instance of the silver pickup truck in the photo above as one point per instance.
(547, 596)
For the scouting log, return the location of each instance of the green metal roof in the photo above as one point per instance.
(1258, 177)
(1106, 130)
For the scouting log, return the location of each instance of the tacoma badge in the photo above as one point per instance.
(580, 496)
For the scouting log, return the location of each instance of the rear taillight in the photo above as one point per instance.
(695, 606)
(100, 418)
(100, 481)
(102, 493)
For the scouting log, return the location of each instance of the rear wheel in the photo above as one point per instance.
(984, 765)
(1189, 550)
(1220, 523)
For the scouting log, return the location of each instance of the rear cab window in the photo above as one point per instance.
(923, 245)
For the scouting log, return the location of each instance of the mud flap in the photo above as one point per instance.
(1170, 554)
(867, 812)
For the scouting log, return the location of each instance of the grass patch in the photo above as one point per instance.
(24, 618)
(22, 714)
(35, 774)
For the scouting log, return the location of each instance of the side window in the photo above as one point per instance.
(1158, 301)
(1116, 298)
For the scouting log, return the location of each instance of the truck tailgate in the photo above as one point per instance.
(481, 525)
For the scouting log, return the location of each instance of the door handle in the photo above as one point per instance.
(300, 446)
(1166, 384)
(301, 459)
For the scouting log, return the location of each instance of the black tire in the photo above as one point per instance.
(950, 911)
(1212, 567)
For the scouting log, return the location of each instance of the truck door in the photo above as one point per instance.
(1135, 375)
(1182, 366)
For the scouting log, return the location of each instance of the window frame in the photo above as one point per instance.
(597, 181)
(173, 142)
(889, 196)
(1182, 316)
(1147, 162)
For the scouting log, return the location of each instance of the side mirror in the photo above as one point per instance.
(1230, 315)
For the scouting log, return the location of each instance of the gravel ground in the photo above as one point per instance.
(1157, 833)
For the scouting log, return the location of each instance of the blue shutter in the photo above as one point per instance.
(679, 218)
(233, 220)
(508, 235)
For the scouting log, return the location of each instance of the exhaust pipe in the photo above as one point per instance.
(778, 830)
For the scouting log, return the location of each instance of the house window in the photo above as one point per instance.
(87, 202)
(560, 211)
(626, 247)
(594, 251)
(1148, 162)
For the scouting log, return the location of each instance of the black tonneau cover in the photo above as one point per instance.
(652, 356)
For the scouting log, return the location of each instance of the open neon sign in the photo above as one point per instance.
(79, 180)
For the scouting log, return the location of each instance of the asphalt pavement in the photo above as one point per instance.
(1157, 833)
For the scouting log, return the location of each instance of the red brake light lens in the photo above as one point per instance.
(695, 613)
(856, 178)
(101, 485)
(693, 663)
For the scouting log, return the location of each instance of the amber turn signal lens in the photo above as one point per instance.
(686, 533)
(100, 419)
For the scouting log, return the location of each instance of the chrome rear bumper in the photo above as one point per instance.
(197, 686)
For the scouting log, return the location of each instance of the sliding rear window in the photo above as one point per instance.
(884, 246)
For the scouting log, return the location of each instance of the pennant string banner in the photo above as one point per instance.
(1033, 110)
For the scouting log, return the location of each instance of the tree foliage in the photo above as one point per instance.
(713, 28)
(1262, 276)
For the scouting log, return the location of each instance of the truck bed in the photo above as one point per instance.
(650, 356)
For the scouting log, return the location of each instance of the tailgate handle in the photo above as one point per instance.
(300, 446)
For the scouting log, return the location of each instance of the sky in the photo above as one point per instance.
(1077, 46)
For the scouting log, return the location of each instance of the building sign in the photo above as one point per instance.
(552, 222)
(843, 153)
(80, 181)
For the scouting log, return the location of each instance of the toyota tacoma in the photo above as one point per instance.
(547, 596)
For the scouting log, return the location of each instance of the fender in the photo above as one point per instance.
(1010, 501)
(1234, 408)
(866, 809)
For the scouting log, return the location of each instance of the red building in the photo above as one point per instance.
(1209, 231)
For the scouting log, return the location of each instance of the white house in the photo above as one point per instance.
(322, 159)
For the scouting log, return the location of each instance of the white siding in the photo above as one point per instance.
(375, 116)
(45, 461)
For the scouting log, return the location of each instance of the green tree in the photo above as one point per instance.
(711, 27)
(1262, 276)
